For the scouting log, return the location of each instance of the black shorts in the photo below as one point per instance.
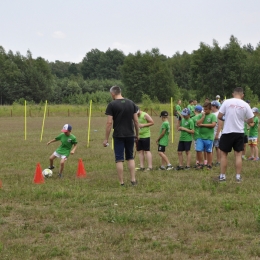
(245, 139)
(232, 140)
(184, 146)
(143, 144)
(161, 148)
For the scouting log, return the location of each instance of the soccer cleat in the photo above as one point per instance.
(134, 183)
(179, 168)
(162, 168)
(169, 167)
(51, 167)
(221, 179)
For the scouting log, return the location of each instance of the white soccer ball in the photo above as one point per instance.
(47, 173)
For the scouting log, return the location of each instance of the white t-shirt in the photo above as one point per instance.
(216, 126)
(236, 111)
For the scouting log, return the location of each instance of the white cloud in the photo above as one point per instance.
(40, 34)
(58, 35)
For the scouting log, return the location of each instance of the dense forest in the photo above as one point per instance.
(207, 71)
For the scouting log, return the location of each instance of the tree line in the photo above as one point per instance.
(206, 72)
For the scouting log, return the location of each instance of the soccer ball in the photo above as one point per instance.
(47, 173)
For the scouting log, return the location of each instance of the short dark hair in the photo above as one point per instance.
(115, 90)
(190, 101)
(207, 105)
(239, 90)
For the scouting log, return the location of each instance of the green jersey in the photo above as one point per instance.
(178, 109)
(253, 130)
(245, 129)
(196, 128)
(66, 143)
(189, 124)
(191, 108)
(165, 139)
(207, 133)
(144, 132)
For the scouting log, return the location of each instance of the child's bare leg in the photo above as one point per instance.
(62, 162)
(188, 158)
(209, 157)
(180, 158)
(200, 157)
(165, 160)
(52, 157)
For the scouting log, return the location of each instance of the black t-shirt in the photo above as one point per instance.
(122, 111)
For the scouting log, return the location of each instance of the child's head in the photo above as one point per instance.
(207, 108)
(66, 129)
(191, 102)
(164, 115)
(255, 110)
(186, 113)
(198, 109)
(215, 105)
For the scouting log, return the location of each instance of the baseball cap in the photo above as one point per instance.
(255, 110)
(217, 96)
(215, 103)
(185, 112)
(164, 113)
(66, 128)
(198, 108)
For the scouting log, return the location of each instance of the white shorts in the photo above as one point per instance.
(60, 156)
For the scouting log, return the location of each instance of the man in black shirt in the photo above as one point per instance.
(122, 114)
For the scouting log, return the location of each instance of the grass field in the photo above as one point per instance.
(169, 215)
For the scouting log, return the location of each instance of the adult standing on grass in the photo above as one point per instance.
(122, 114)
(143, 145)
(236, 112)
(68, 140)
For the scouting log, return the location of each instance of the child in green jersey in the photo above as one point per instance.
(163, 140)
(253, 136)
(68, 146)
(206, 123)
(187, 129)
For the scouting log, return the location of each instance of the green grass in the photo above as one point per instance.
(169, 215)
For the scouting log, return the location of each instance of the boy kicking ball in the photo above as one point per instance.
(68, 146)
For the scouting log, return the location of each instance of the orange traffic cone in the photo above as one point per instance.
(81, 173)
(38, 177)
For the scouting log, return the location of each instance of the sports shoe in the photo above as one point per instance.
(51, 167)
(221, 179)
(162, 168)
(244, 157)
(187, 168)
(134, 183)
(199, 167)
(60, 175)
(217, 164)
(140, 169)
(256, 159)
(149, 169)
(209, 167)
(178, 168)
(238, 180)
(250, 158)
(169, 167)
(122, 184)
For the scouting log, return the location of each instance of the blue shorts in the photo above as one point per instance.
(204, 145)
(124, 146)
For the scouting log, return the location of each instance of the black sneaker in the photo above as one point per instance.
(162, 168)
(209, 167)
(169, 167)
(134, 183)
(187, 168)
(217, 164)
(51, 167)
(140, 169)
(221, 179)
(122, 184)
(178, 168)
(60, 175)
(200, 167)
(238, 180)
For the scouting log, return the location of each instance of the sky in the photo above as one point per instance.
(66, 30)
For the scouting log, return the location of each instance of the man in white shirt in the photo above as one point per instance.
(236, 112)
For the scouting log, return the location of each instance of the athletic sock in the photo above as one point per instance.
(222, 175)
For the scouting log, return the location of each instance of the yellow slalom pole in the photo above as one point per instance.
(89, 118)
(43, 119)
(24, 119)
(172, 119)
